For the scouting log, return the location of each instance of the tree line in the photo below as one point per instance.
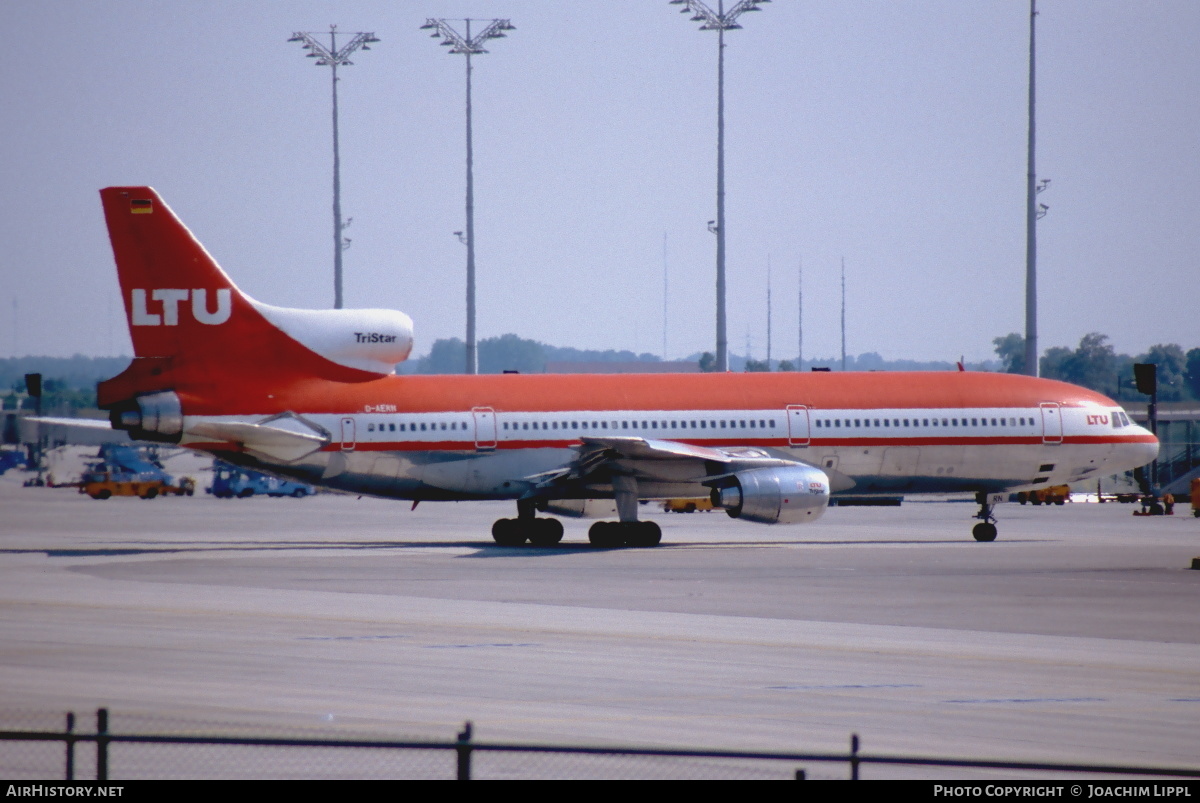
(1095, 364)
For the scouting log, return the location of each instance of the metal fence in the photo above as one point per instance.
(40, 752)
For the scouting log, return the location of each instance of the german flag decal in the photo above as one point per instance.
(139, 207)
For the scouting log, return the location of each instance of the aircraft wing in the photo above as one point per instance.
(668, 460)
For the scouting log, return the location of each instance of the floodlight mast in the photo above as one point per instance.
(720, 21)
(1033, 213)
(334, 57)
(468, 46)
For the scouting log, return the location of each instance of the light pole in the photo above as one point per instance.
(333, 57)
(720, 21)
(469, 46)
(1034, 212)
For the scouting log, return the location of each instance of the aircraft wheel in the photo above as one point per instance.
(149, 493)
(606, 534)
(984, 531)
(545, 532)
(508, 532)
(644, 533)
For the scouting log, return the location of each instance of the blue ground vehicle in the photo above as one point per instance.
(231, 481)
(10, 459)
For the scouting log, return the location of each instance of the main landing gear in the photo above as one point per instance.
(527, 527)
(628, 531)
(985, 530)
(624, 533)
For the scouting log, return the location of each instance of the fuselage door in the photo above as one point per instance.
(797, 419)
(485, 428)
(1052, 426)
(348, 434)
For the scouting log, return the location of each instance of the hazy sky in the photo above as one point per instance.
(888, 133)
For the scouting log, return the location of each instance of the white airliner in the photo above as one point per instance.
(312, 395)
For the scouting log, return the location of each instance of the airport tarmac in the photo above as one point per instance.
(1074, 637)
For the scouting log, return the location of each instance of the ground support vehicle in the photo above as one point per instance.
(230, 481)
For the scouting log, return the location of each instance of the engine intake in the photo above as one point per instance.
(788, 495)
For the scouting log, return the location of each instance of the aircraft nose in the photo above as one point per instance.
(1134, 455)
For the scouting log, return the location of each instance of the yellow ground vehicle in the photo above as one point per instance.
(687, 505)
(101, 484)
(1054, 495)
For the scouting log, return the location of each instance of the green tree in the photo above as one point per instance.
(446, 356)
(1053, 364)
(1094, 363)
(1193, 372)
(786, 365)
(708, 362)
(757, 366)
(511, 353)
(1011, 351)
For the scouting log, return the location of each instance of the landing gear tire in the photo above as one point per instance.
(545, 532)
(644, 534)
(606, 534)
(610, 534)
(508, 532)
(984, 531)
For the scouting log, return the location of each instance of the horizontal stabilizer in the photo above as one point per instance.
(264, 440)
(82, 423)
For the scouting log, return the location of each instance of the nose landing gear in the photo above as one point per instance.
(985, 530)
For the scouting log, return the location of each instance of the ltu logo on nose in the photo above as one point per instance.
(171, 299)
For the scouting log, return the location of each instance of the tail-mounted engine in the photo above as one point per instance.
(786, 495)
(153, 417)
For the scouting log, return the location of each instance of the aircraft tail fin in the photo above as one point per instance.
(197, 336)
